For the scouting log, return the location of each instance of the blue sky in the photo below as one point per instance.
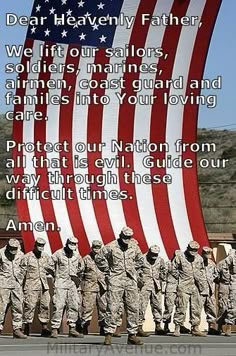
(220, 61)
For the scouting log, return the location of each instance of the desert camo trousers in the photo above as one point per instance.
(169, 303)
(209, 305)
(65, 299)
(89, 300)
(194, 300)
(12, 298)
(33, 299)
(155, 299)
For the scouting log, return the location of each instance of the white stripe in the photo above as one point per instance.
(175, 126)
(79, 130)
(110, 120)
(52, 136)
(142, 131)
(34, 205)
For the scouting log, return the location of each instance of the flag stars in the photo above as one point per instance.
(82, 36)
(33, 30)
(76, 25)
(69, 12)
(52, 11)
(100, 6)
(46, 1)
(87, 14)
(63, 2)
(81, 3)
(102, 39)
(64, 33)
(47, 32)
(38, 8)
(95, 27)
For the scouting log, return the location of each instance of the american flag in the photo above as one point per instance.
(165, 214)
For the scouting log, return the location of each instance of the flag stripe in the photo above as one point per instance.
(52, 136)
(126, 124)
(22, 204)
(158, 130)
(65, 134)
(190, 178)
(41, 171)
(174, 127)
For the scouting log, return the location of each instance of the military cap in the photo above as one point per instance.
(207, 250)
(154, 249)
(13, 243)
(177, 252)
(127, 231)
(40, 241)
(193, 245)
(72, 240)
(96, 243)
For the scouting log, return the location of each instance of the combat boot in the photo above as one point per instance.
(27, 329)
(54, 333)
(85, 328)
(184, 330)
(166, 327)
(196, 332)
(158, 329)
(141, 332)
(117, 333)
(212, 329)
(228, 330)
(74, 333)
(177, 331)
(18, 334)
(108, 339)
(134, 340)
(45, 331)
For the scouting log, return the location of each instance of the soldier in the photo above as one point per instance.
(209, 301)
(93, 290)
(68, 266)
(171, 297)
(189, 269)
(35, 266)
(231, 312)
(11, 286)
(120, 260)
(223, 292)
(153, 275)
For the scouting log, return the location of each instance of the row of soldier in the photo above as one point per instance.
(116, 278)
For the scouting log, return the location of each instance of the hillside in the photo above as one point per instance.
(217, 186)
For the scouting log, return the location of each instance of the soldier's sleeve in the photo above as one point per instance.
(139, 259)
(23, 268)
(175, 267)
(163, 270)
(102, 259)
(81, 266)
(50, 268)
(202, 280)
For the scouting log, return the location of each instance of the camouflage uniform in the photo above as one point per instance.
(36, 289)
(67, 270)
(94, 288)
(170, 293)
(209, 301)
(231, 313)
(11, 284)
(223, 291)
(120, 264)
(189, 269)
(153, 274)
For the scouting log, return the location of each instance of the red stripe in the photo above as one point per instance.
(65, 134)
(94, 135)
(190, 179)
(126, 124)
(158, 131)
(40, 135)
(21, 204)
